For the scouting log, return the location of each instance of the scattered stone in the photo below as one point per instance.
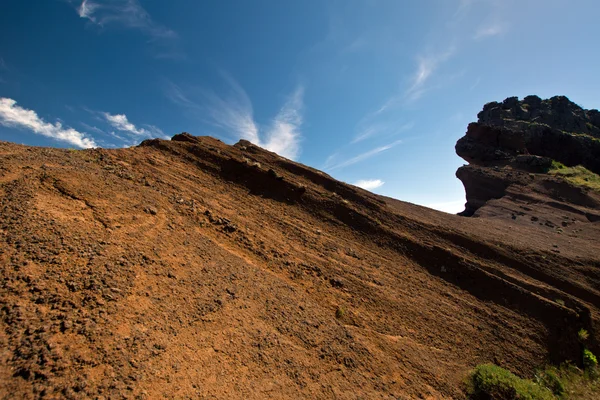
(336, 282)
(229, 227)
(150, 210)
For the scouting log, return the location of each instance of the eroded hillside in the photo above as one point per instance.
(193, 269)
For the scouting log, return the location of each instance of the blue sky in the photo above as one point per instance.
(374, 92)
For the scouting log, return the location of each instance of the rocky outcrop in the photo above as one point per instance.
(557, 112)
(189, 268)
(524, 135)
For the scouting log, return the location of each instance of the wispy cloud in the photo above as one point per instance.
(92, 128)
(232, 112)
(426, 66)
(283, 137)
(365, 133)
(495, 23)
(369, 184)
(121, 123)
(124, 13)
(14, 116)
(361, 157)
(475, 84)
(177, 96)
(86, 10)
(490, 30)
(370, 128)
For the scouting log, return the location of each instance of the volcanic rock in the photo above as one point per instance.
(259, 277)
(516, 137)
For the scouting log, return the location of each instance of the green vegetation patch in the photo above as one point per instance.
(590, 362)
(579, 175)
(489, 381)
(551, 379)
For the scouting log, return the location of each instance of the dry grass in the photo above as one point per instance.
(579, 384)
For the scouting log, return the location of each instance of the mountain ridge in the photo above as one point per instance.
(190, 268)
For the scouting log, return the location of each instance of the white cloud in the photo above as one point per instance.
(86, 9)
(363, 156)
(426, 66)
(425, 69)
(177, 96)
(450, 207)
(121, 123)
(233, 114)
(13, 116)
(380, 128)
(365, 133)
(330, 161)
(369, 184)
(126, 13)
(486, 31)
(284, 135)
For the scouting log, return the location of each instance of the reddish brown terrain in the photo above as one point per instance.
(193, 269)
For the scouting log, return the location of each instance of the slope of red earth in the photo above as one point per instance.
(193, 269)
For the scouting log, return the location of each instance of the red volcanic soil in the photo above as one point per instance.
(193, 269)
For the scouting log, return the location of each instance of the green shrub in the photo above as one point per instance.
(583, 335)
(590, 362)
(557, 165)
(489, 381)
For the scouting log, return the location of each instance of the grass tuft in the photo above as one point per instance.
(590, 362)
(489, 381)
(578, 176)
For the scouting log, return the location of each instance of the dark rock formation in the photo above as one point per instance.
(556, 128)
(524, 136)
